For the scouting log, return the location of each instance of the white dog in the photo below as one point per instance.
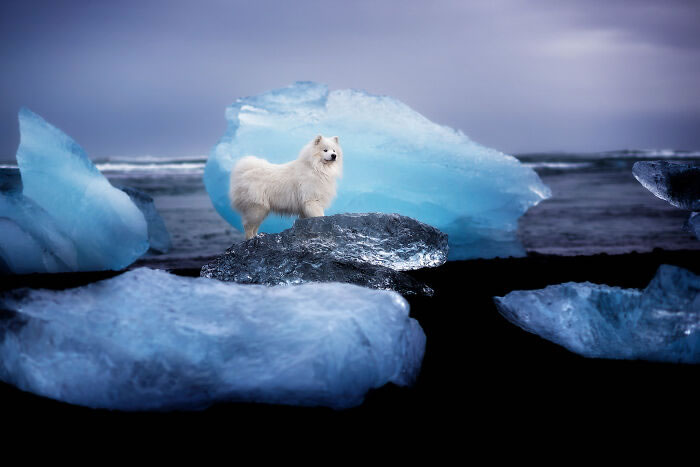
(303, 187)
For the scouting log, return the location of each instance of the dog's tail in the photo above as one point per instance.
(248, 163)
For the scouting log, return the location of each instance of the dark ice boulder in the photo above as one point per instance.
(150, 340)
(676, 182)
(158, 236)
(661, 322)
(366, 249)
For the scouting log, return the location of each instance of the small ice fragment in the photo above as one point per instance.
(676, 182)
(661, 322)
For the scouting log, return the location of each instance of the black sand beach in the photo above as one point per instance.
(478, 368)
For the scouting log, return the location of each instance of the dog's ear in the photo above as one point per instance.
(335, 138)
(317, 140)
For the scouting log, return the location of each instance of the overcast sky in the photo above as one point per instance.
(154, 77)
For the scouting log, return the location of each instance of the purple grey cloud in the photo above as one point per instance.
(154, 77)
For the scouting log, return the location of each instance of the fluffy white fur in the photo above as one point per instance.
(303, 187)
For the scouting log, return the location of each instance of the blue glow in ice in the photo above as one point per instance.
(661, 322)
(395, 160)
(108, 230)
(150, 340)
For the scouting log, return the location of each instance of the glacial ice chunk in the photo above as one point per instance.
(158, 236)
(31, 241)
(661, 322)
(150, 340)
(676, 182)
(395, 160)
(108, 230)
(364, 249)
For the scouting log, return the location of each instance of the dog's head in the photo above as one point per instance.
(326, 154)
(328, 149)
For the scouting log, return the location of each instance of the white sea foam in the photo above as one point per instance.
(650, 154)
(187, 167)
(146, 158)
(558, 165)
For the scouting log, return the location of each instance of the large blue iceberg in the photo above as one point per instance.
(65, 194)
(396, 160)
(150, 340)
(661, 322)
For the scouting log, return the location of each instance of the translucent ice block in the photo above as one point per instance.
(150, 340)
(661, 322)
(395, 160)
(106, 227)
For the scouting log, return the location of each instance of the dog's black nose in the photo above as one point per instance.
(332, 157)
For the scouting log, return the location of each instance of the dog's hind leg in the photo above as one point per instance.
(252, 218)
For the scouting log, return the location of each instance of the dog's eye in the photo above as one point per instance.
(325, 150)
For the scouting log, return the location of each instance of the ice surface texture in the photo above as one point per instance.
(676, 182)
(158, 236)
(661, 322)
(68, 217)
(396, 160)
(364, 249)
(149, 340)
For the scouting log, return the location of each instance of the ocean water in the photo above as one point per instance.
(197, 231)
(597, 206)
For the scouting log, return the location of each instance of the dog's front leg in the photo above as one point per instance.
(312, 209)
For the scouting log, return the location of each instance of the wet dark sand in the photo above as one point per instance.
(479, 370)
